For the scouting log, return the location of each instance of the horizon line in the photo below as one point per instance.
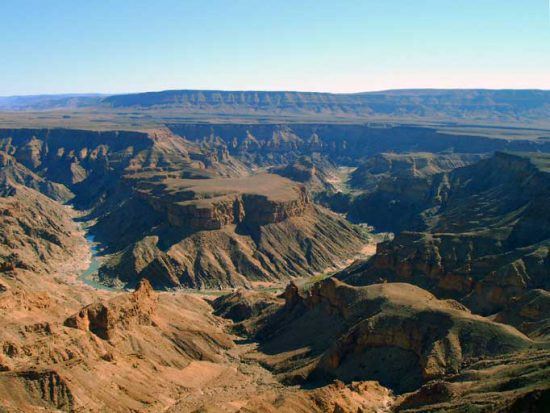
(106, 94)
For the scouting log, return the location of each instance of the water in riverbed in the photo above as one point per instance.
(89, 276)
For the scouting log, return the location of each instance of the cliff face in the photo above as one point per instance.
(485, 235)
(316, 173)
(223, 232)
(270, 144)
(423, 104)
(91, 164)
(433, 104)
(195, 209)
(70, 156)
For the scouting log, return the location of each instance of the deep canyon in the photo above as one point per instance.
(284, 252)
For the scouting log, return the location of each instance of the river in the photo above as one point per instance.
(88, 276)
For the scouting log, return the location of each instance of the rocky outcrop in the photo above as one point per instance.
(14, 173)
(44, 389)
(221, 210)
(395, 333)
(225, 232)
(92, 164)
(314, 172)
(72, 156)
(237, 255)
(36, 233)
(242, 304)
(276, 144)
(106, 319)
(507, 383)
(484, 236)
(130, 351)
(360, 396)
(529, 313)
(394, 166)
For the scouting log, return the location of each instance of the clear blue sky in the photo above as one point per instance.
(60, 46)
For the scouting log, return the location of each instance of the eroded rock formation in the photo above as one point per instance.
(104, 319)
(395, 333)
(484, 236)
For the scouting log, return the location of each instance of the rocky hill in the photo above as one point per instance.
(481, 232)
(68, 348)
(316, 173)
(396, 334)
(14, 173)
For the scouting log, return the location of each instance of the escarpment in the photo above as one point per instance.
(156, 200)
(14, 173)
(481, 234)
(207, 204)
(280, 144)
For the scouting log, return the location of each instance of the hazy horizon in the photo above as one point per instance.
(267, 91)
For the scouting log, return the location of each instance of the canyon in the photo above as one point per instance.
(290, 252)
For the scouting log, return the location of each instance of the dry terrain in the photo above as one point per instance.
(206, 251)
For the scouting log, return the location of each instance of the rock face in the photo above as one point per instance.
(314, 172)
(44, 389)
(430, 105)
(272, 144)
(14, 173)
(104, 319)
(35, 232)
(397, 334)
(208, 204)
(484, 236)
(394, 167)
(365, 397)
(529, 314)
(129, 351)
(225, 232)
(509, 383)
(235, 255)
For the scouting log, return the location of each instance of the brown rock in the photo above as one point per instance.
(105, 319)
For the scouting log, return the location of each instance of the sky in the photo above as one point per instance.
(120, 46)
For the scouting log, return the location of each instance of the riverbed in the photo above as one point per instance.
(89, 275)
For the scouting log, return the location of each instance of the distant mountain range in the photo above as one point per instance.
(458, 104)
